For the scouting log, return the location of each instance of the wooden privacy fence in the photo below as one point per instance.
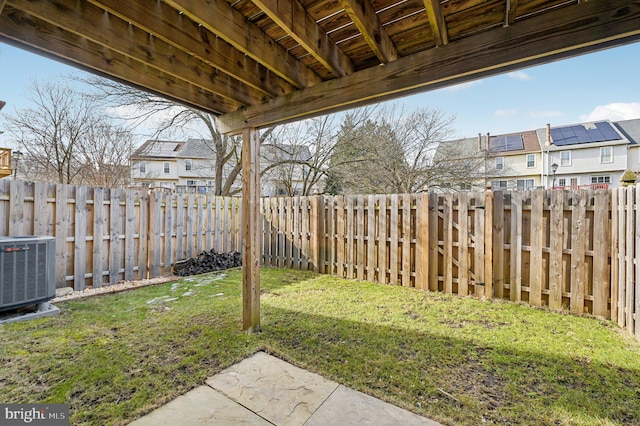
(104, 236)
(572, 250)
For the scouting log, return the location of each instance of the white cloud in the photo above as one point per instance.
(545, 114)
(614, 111)
(519, 75)
(505, 113)
(463, 86)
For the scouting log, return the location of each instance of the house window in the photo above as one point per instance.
(188, 165)
(143, 167)
(499, 163)
(524, 183)
(574, 181)
(192, 183)
(167, 168)
(565, 158)
(562, 182)
(606, 154)
(531, 160)
(498, 184)
(600, 179)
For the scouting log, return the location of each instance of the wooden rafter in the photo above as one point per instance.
(2, 3)
(163, 22)
(247, 37)
(512, 10)
(365, 19)
(132, 42)
(300, 25)
(26, 31)
(570, 31)
(433, 8)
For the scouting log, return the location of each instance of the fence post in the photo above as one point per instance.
(314, 229)
(488, 242)
(422, 241)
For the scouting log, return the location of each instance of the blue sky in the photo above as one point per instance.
(601, 85)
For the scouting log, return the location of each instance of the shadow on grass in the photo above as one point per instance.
(454, 380)
(114, 358)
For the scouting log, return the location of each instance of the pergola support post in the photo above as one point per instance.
(251, 230)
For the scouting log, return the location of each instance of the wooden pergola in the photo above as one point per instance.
(257, 63)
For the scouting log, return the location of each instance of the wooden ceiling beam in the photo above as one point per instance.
(365, 19)
(512, 10)
(569, 31)
(437, 22)
(300, 25)
(23, 30)
(166, 24)
(2, 3)
(220, 18)
(110, 31)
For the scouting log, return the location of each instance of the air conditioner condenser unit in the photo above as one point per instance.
(27, 271)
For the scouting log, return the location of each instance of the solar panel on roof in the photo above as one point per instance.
(506, 143)
(584, 133)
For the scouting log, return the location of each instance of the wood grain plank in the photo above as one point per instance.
(80, 239)
(498, 244)
(251, 232)
(98, 236)
(578, 227)
(406, 240)
(463, 244)
(393, 239)
(515, 281)
(536, 271)
(556, 231)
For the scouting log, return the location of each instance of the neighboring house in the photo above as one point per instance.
(284, 169)
(587, 155)
(189, 167)
(174, 165)
(510, 161)
(630, 129)
(5, 162)
(514, 161)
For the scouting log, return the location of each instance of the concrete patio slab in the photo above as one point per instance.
(199, 407)
(274, 389)
(349, 407)
(265, 390)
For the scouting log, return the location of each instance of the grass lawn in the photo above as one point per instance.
(458, 361)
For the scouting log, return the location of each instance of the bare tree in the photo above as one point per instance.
(395, 152)
(66, 138)
(307, 151)
(170, 119)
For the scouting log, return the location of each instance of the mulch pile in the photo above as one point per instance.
(207, 261)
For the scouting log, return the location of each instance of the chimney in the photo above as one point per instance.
(479, 142)
(488, 137)
(548, 141)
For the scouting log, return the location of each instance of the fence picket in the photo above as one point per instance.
(556, 231)
(422, 242)
(600, 253)
(360, 237)
(372, 259)
(578, 227)
(535, 280)
(498, 244)
(80, 239)
(515, 245)
(621, 253)
(406, 240)
(447, 218)
(463, 244)
(630, 227)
